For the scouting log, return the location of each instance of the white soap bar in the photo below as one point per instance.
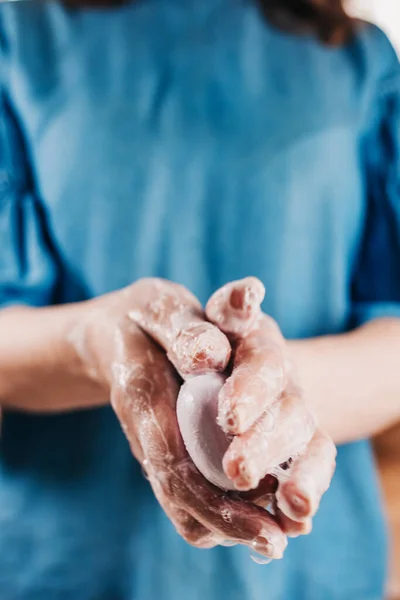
(206, 443)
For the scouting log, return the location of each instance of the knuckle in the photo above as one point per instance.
(187, 535)
(146, 282)
(194, 533)
(190, 533)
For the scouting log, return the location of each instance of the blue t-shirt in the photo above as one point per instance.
(189, 140)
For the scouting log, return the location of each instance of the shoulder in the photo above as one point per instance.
(377, 61)
(376, 46)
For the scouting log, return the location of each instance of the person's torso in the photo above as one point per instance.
(194, 142)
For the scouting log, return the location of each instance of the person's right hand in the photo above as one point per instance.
(144, 385)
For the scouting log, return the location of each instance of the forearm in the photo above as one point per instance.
(352, 381)
(40, 366)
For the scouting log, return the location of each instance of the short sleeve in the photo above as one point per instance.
(376, 283)
(28, 269)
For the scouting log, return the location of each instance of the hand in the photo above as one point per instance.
(144, 385)
(262, 406)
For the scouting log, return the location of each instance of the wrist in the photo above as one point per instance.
(88, 342)
(308, 360)
(42, 368)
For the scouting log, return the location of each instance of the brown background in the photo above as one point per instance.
(388, 453)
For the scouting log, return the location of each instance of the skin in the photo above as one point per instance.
(352, 381)
(130, 346)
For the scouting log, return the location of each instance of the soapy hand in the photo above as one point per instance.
(135, 343)
(260, 406)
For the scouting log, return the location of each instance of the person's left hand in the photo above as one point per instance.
(261, 405)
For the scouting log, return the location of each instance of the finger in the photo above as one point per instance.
(173, 317)
(259, 377)
(144, 393)
(235, 307)
(144, 400)
(264, 494)
(263, 497)
(227, 517)
(308, 478)
(281, 433)
(259, 371)
(193, 532)
(187, 527)
(293, 528)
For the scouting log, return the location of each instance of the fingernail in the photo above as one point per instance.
(273, 549)
(228, 422)
(261, 554)
(236, 470)
(237, 298)
(244, 480)
(203, 352)
(304, 529)
(300, 505)
(236, 420)
(307, 527)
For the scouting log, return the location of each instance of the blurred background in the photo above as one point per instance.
(386, 13)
